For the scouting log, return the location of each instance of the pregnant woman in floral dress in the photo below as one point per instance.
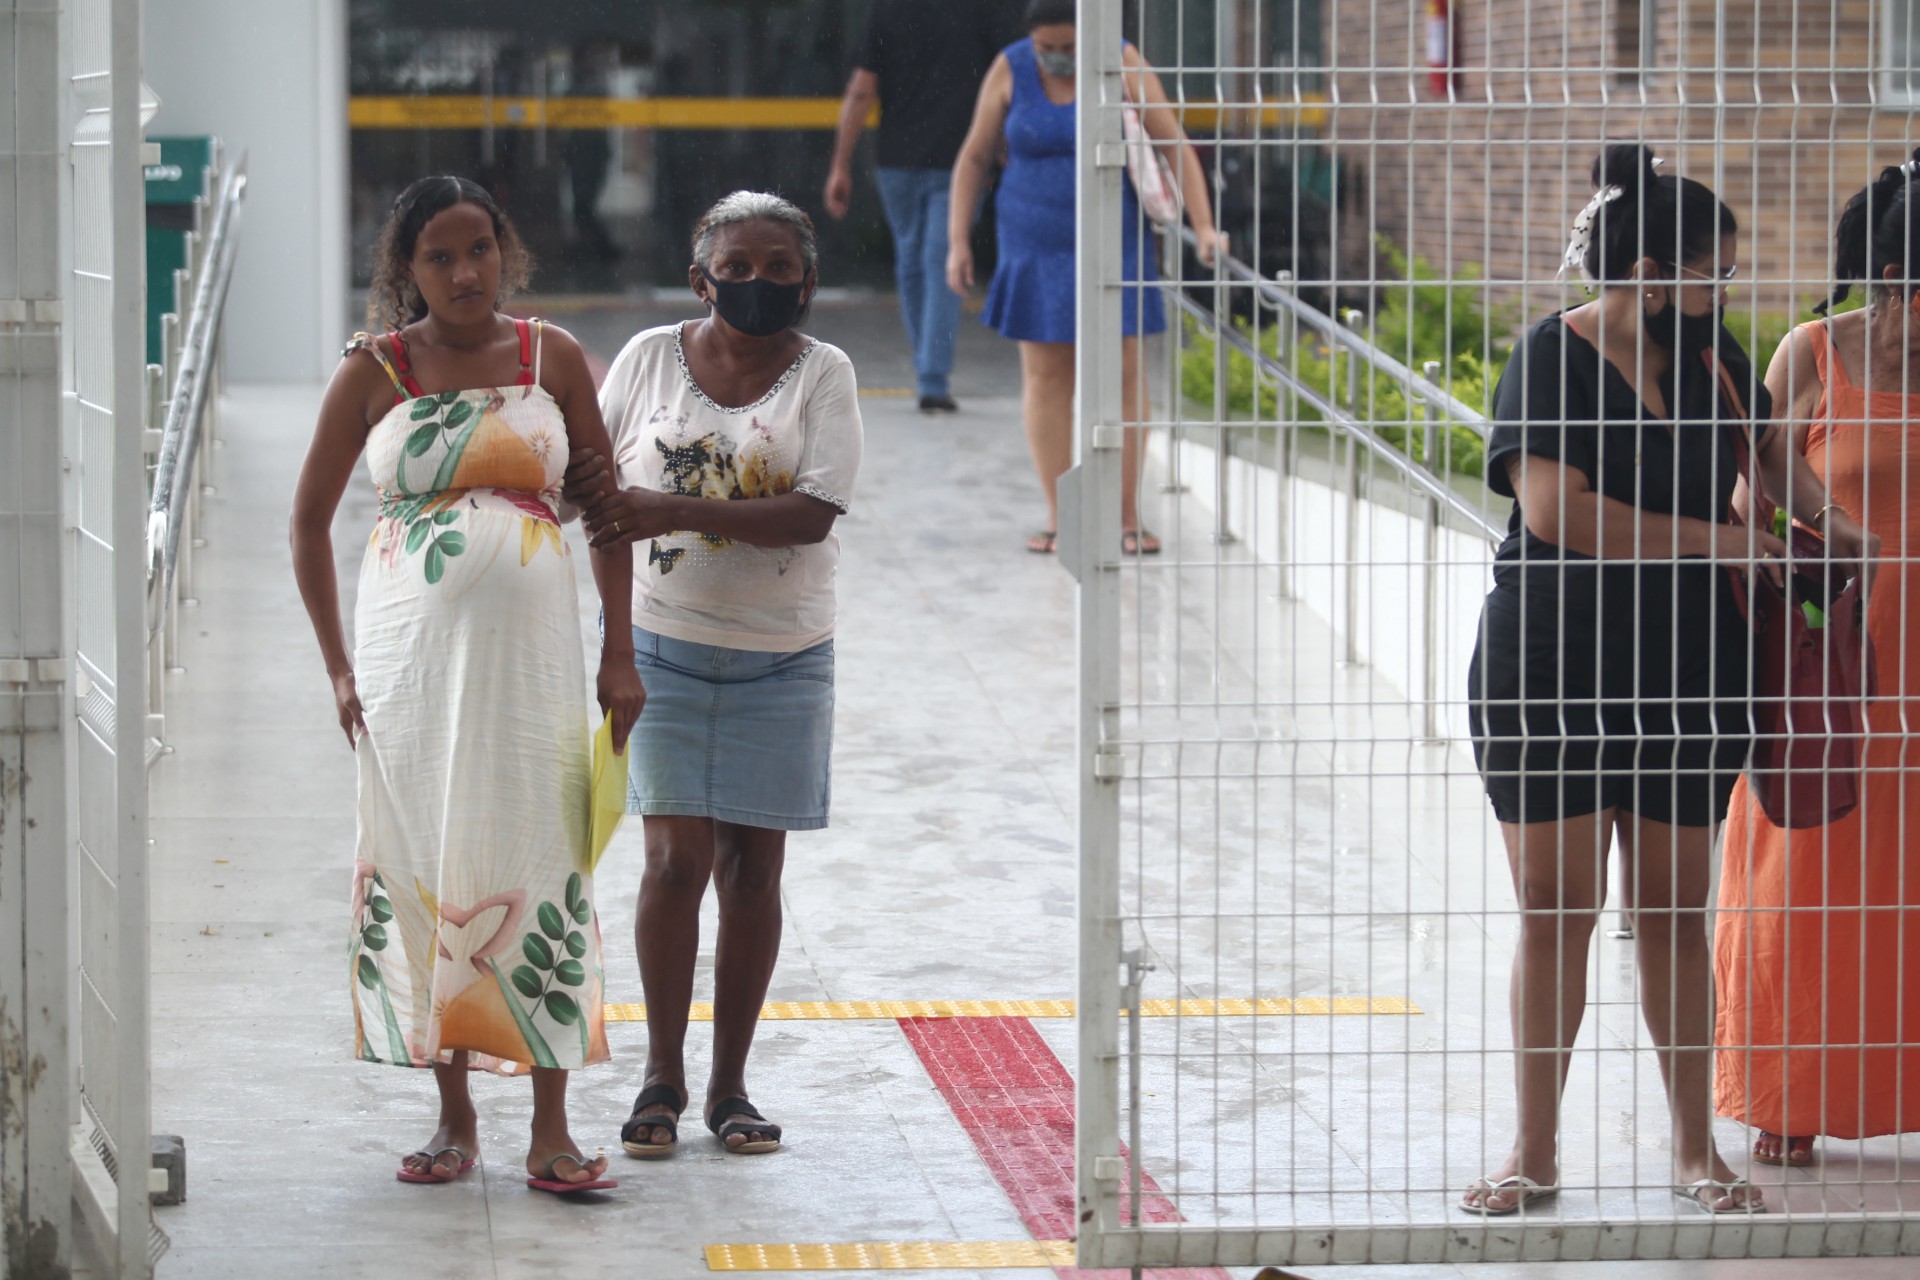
(473, 942)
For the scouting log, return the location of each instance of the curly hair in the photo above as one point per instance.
(393, 300)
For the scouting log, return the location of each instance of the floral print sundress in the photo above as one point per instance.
(473, 921)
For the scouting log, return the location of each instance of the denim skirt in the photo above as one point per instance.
(732, 734)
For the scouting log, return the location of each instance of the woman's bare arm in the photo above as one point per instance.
(339, 437)
(788, 520)
(1162, 124)
(571, 383)
(1793, 379)
(569, 380)
(1561, 508)
(972, 169)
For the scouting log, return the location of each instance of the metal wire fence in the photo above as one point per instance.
(1305, 720)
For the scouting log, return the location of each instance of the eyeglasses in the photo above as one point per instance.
(1725, 275)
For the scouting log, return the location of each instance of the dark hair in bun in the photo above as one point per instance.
(1878, 229)
(1052, 13)
(1671, 220)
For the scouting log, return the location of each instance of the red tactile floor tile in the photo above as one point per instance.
(1015, 1100)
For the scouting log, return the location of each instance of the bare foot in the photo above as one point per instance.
(743, 1130)
(1493, 1198)
(1726, 1198)
(656, 1135)
(463, 1133)
(1773, 1148)
(563, 1162)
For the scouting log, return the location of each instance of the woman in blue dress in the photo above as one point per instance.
(1026, 107)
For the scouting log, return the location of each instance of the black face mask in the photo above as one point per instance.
(758, 308)
(1679, 332)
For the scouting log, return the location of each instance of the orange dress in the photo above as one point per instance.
(1817, 942)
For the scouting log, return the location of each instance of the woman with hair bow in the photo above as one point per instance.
(1608, 692)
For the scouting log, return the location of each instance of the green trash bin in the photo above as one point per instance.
(183, 175)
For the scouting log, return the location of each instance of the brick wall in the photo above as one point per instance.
(1493, 180)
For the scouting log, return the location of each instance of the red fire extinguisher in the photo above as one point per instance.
(1442, 45)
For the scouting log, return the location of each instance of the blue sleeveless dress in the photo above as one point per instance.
(1031, 297)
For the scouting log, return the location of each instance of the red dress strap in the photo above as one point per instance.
(371, 345)
(399, 345)
(526, 353)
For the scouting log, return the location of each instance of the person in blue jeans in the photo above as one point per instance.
(921, 60)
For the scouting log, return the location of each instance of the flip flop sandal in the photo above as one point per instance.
(1138, 542)
(737, 1115)
(1795, 1153)
(555, 1186)
(1530, 1191)
(405, 1174)
(1690, 1192)
(654, 1095)
(1043, 542)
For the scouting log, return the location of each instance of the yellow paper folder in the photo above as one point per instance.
(609, 794)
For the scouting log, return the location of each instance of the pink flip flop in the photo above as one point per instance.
(405, 1174)
(556, 1187)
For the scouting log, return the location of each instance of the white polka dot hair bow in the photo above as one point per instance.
(1582, 240)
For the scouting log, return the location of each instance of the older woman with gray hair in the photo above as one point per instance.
(736, 443)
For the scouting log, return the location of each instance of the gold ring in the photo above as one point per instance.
(616, 526)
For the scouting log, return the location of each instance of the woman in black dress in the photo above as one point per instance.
(1608, 693)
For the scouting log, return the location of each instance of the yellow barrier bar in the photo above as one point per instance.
(929, 1255)
(886, 1010)
(471, 111)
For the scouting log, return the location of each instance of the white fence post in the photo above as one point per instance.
(111, 1144)
(35, 663)
(1097, 439)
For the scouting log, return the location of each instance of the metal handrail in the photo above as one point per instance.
(186, 404)
(1336, 418)
(1345, 424)
(1277, 298)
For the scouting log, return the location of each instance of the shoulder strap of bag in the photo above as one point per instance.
(1739, 437)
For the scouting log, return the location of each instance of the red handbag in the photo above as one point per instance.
(1810, 683)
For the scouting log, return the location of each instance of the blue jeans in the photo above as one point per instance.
(916, 204)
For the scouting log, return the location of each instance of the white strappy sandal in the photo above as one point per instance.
(1751, 1203)
(1531, 1192)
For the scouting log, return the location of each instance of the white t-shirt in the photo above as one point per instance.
(803, 436)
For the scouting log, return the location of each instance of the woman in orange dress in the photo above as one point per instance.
(1817, 948)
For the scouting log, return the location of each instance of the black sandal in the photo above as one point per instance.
(737, 1115)
(653, 1095)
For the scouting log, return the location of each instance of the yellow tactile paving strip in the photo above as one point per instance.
(929, 1255)
(883, 1010)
